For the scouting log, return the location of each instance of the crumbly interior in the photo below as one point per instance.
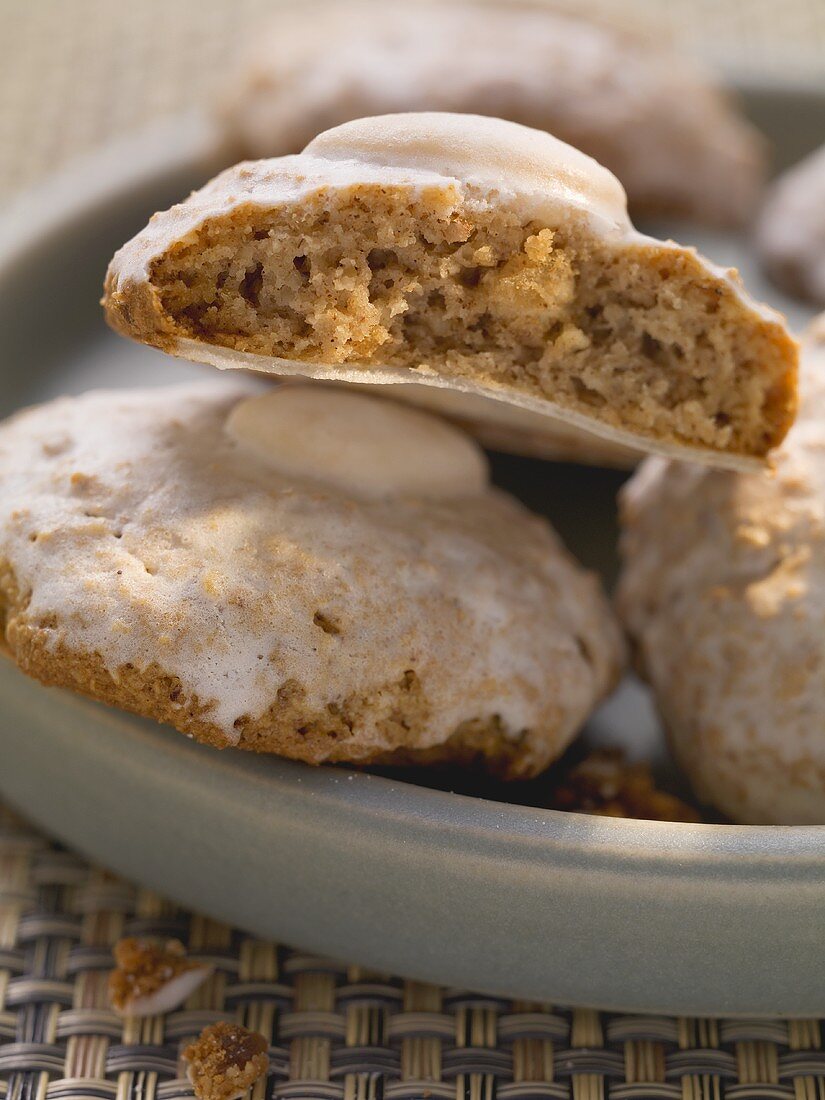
(634, 334)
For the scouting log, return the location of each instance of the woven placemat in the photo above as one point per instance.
(74, 74)
(336, 1032)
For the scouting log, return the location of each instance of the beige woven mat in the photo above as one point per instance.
(74, 73)
(336, 1032)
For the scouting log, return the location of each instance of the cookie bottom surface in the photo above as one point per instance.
(285, 729)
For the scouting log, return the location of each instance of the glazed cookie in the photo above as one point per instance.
(471, 254)
(723, 591)
(790, 234)
(674, 139)
(298, 570)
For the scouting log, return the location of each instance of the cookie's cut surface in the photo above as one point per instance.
(790, 235)
(181, 553)
(723, 591)
(663, 126)
(471, 254)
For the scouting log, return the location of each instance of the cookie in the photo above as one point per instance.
(723, 592)
(471, 254)
(790, 235)
(297, 570)
(672, 136)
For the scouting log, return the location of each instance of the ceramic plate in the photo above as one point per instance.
(479, 886)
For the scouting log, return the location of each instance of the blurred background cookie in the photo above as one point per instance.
(662, 124)
(790, 235)
(723, 592)
(309, 572)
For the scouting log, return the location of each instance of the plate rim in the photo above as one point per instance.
(303, 826)
(429, 806)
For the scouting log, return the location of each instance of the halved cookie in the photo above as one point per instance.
(664, 126)
(298, 570)
(471, 254)
(723, 591)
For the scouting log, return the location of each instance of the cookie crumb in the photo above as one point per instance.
(225, 1060)
(604, 783)
(152, 977)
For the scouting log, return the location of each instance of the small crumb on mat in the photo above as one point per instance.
(152, 977)
(225, 1060)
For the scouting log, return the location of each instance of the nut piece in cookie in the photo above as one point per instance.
(300, 570)
(362, 445)
(470, 254)
(604, 783)
(723, 593)
(661, 123)
(225, 1060)
(152, 978)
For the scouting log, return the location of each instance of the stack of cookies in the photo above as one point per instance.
(310, 560)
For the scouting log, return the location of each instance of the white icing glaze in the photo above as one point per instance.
(363, 445)
(553, 181)
(527, 169)
(137, 525)
(503, 426)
